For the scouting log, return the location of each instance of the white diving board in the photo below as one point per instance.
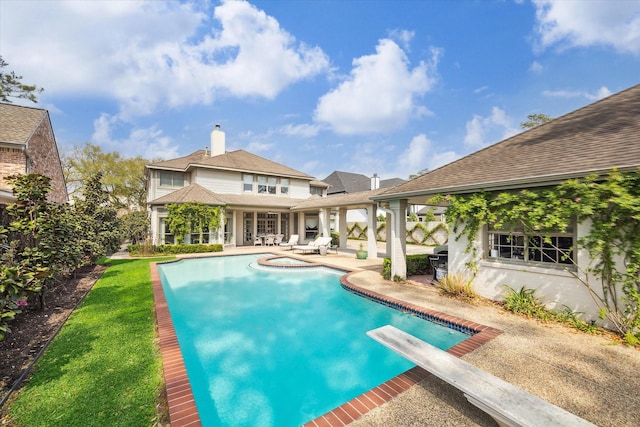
(507, 404)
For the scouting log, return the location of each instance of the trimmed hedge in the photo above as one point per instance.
(416, 265)
(137, 250)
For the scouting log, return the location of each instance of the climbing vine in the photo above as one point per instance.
(612, 205)
(184, 218)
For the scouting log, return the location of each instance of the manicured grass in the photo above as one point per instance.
(104, 368)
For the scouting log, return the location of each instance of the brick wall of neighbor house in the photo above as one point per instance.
(12, 162)
(45, 160)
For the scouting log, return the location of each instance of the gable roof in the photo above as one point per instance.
(190, 193)
(593, 139)
(18, 123)
(238, 160)
(347, 182)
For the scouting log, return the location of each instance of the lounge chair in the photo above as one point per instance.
(314, 246)
(293, 240)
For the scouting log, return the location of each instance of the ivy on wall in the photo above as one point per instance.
(611, 203)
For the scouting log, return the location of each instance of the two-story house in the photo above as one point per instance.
(257, 194)
(28, 145)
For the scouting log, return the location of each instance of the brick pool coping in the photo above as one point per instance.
(180, 401)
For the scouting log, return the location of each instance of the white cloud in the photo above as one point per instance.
(481, 131)
(149, 143)
(603, 92)
(380, 93)
(153, 54)
(614, 23)
(536, 67)
(421, 154)
(302, 130)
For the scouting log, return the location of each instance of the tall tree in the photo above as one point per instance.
(122, 178)
(534, 120)
(11, 86)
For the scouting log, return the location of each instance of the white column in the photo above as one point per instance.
(324, 216)
(301, 228)
(342, 227)
(388, 227)
(398, 235)
(372, 222)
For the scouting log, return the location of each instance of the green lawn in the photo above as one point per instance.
(104, 368)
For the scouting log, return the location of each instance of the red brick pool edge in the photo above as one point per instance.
(181, 404)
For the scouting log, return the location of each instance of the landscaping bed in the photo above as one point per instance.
(32, 329)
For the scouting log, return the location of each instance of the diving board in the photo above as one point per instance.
(507, 404)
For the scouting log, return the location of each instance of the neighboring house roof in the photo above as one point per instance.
(197, 193)
(238, 160)
(347, 182)
(593, 139)
(18, 123)
(357, 200)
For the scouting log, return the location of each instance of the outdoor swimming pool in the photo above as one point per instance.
(279, 346)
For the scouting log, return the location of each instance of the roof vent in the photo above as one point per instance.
(206, 151)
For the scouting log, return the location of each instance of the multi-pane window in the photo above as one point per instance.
(247, 183)
(284, 185)
(554, 248)
(171, 179)
(267, 184)
(315, 190)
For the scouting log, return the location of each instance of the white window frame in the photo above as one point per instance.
(516, 246)
(173, 175)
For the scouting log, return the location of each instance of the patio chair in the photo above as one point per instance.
(293, 240)
(314, 246)
(278, 239)
(269, 240)
(257, 241)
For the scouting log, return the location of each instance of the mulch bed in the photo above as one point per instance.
(33, 328)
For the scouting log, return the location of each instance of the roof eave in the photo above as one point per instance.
(515, 184)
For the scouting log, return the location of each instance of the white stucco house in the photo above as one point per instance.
(592, 140)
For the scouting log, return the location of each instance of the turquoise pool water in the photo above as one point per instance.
(279, 347)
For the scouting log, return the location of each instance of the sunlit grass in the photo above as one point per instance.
(103, 369)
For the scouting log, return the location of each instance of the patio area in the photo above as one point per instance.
(590, 376)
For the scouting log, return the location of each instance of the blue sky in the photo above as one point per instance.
(387, 87)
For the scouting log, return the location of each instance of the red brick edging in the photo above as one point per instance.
(182, 406)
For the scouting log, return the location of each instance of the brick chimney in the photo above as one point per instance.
(217, 141)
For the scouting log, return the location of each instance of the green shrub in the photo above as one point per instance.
(145, 250)
(416, 265)
(525, 302)
(457, 285)
(386, 268)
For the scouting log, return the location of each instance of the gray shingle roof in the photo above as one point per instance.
(18, 123)
(595, 138)
(347, 182)
(238, 160)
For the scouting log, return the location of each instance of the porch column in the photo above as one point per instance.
(372, 222)
(388, 227)
(301, 229)
(398, 230)
(220, 238)
(324, 216)
(342, 227)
